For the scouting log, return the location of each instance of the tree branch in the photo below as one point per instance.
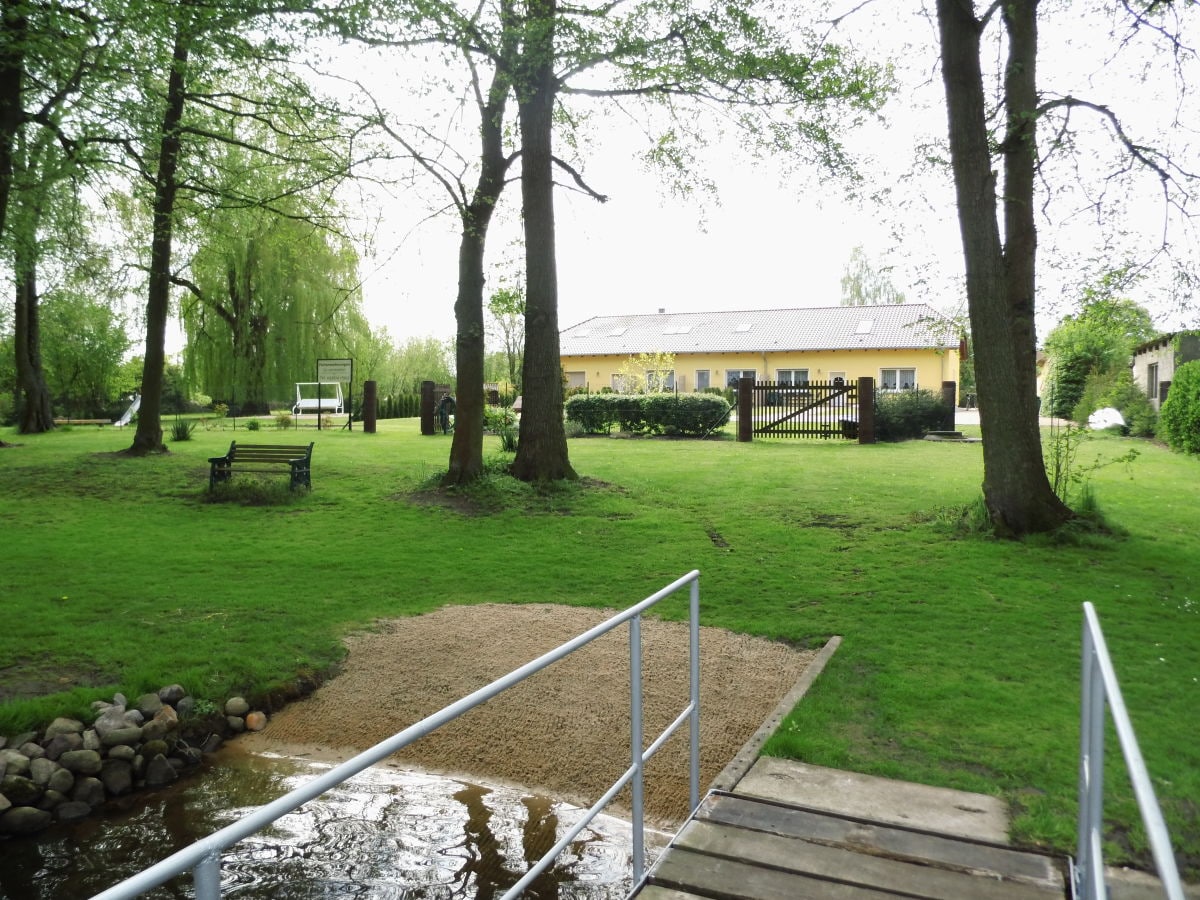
(583, 185)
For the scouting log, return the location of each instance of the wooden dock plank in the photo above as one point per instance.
(711, 876)
(877, 839)
(857, 866)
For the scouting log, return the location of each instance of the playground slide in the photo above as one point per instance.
(127, 417)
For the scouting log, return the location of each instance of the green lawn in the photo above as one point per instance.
(959, 665)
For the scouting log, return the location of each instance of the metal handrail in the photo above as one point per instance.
(204, 856)
(1100, 685)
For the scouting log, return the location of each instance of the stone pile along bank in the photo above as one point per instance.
(65, 772)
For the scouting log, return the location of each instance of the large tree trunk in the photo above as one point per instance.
(1000, 275)
(15, 25)
(542, 447)
(35, 414)
(466, 449)
(148, 437)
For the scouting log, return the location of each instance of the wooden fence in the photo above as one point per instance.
(811, 409)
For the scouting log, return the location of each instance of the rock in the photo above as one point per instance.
(154, 730)
(190, 755)
(24, 820)
(72, 811)
(14, 762)
(236, 724)
(119, 700)
(130, 735)
(186, 706)
(171, 694)
(236, 706)
(148, 705)
(3, 741)
(100, 705)
(33, 750)
(159, 772)
(5, 803)
(61, 726)
(89, 791)
(81, 762)
(50, 801)
(110, 720)
(24, 737)
(61, 743)
(91, 740)
(117, 777)
(169, 717)
(40, 770)
(154, 748)
(256, 721)
(133, 717)
(212, 743)
(20, 791)
(61, 781)
(122, 751)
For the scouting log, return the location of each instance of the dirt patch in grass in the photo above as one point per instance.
(28, 678)
(564, 730)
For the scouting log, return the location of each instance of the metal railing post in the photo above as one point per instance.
(635, 745)
(1091, 772)
(694, 719)
(206, 877)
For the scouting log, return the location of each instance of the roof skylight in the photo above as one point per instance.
(865, 326)
(742, 328)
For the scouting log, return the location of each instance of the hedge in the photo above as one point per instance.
(686, 415)
(1179, 417)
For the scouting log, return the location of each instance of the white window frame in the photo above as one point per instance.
(655, 379)
(703, 379)
(732, 376)
(1152, 381)
(795, 377)
(898, 383)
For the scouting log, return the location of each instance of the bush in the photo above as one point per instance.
(687, 415)
(283, 420)
(253, 424)
(908, 415)
(181, 430)
(1179, 418)
(1094, 395)
(1140, 418)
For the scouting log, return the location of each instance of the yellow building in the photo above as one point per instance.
(901, 346)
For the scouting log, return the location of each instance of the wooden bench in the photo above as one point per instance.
(263, 458)
(83, 421)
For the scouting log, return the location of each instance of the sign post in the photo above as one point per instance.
(335, 370)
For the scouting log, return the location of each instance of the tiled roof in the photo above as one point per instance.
(904, 326)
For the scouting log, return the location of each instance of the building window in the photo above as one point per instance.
(1152, 381)
(732, 376)
(618, 383)
(657, 382)
(576, 380)
(702, 379)
(792, 376)
(897, 379)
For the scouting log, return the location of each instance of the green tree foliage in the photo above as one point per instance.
(507, 309)
(648, 373)
(83, 342)
(1179, 418)
(865, 285)
(269, 295)
(1098, 340)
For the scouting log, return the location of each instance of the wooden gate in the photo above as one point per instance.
(812, 409)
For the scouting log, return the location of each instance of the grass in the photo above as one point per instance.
(959, 665)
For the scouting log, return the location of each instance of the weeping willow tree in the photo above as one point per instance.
(269, 295)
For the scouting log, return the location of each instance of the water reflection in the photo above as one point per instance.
(385, 834)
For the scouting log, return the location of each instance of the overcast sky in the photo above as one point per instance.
(774, 240)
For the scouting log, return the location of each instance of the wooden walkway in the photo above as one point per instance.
(739, 846)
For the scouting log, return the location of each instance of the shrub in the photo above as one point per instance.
(1179, 418)
(907, 415)
(253, 424)
(1094, 395)
(283, 420)
(1134, 405)
(220, 410)
(181, 430)
(690, 415)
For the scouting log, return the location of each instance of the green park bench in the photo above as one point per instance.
(263, 458)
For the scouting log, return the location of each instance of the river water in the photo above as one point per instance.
(386, 833)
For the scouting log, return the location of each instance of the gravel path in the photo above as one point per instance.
(565, 730)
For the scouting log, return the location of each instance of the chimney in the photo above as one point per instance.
(661, 310)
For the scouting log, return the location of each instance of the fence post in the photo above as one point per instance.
(427, 408)
(745, 409)
(866, 410)
(949, 394)
(370, 403)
